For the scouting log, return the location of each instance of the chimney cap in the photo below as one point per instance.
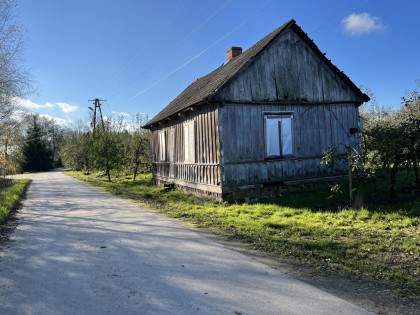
(234, 48)
(232, 52)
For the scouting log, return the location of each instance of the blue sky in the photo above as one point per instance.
(139, 55)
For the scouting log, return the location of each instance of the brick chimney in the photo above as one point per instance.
(232, 52)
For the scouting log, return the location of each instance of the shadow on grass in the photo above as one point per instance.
(373, 195)
(5, 183)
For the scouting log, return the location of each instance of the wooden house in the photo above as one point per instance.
(258, 124)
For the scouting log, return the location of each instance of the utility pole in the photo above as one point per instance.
(97, 103)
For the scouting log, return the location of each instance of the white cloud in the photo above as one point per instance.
(26, 106)
(18, 115)
(29, 104)
(67, 108)
(121, 114)
(59, 121)
(362, 23)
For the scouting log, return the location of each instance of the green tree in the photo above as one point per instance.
(411, 117)
(387, 141)
(35, 152)
(107, 148)
(114, 147)
(391, 138)
(11, 138)
(76, 152)
(55, 137)
(139, 147)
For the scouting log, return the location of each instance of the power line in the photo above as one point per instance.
(200, 53)
(169, 52)
(165, 22)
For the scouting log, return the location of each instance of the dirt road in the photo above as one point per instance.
(78, 250)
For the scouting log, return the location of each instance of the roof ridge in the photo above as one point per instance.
(206, 86)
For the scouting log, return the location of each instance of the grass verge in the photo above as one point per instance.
(381, 240)
(10, 195)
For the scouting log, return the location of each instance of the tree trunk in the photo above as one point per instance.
(416, 171)
(136, 161)
(107, 171)
(394, 170)
(6, 144)
(135, 172)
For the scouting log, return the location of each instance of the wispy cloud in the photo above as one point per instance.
(31, 105)
(121, 114)
(59, 121)
(18, 115)
(28, 104)
(67, 108)
(362, 23)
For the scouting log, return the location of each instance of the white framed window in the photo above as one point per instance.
(189, 147)
(278, 132)
(162, 146)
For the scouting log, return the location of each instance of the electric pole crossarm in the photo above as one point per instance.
(97, 103)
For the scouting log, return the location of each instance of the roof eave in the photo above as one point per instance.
(176, 114)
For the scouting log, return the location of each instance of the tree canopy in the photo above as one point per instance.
(36, 155)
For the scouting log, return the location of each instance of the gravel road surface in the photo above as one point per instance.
(79, 250)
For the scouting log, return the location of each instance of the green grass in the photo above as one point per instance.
(380, 240)
(10, 194)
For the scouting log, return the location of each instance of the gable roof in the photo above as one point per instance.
(205, 87)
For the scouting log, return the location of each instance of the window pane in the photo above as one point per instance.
(272, 133)
(286, 136)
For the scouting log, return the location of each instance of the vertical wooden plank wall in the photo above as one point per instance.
(315, 128)
(288, 69)
(206, 168)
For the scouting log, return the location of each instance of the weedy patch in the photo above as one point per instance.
(379, 240)
(10, 194)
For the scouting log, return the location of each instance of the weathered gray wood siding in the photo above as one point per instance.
(315, 128)
(287, 73)
(288, 69)
(205, 170)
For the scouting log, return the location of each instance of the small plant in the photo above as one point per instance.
(10, 195)
(353, 160)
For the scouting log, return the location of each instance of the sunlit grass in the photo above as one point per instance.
(10, 195)
(380, 240)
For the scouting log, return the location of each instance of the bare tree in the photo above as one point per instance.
(15, 83)
(15, 80)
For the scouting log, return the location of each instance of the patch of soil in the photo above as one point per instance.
(10, 223)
